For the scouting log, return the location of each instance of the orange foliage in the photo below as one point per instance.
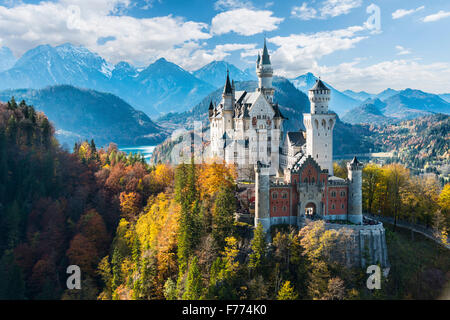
(130, 203)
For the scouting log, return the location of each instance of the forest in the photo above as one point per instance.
(141, 231)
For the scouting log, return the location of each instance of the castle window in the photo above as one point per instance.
(333, 194)
(342, 193)
(332, 206)
(258, 117)
(342, 206)
(274, 209)
(274, 195)
(284, 195)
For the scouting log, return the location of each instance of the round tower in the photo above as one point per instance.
(319, 97)
(319, 124)
(354, 212)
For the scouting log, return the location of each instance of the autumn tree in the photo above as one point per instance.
(287, 292)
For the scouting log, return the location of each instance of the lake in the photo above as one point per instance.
(146, 151)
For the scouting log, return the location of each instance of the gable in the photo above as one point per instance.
(260, 107)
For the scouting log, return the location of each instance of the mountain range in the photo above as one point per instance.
(215, 72)
(403, 105)
(83, 114)
(165, 90)
(151, 90)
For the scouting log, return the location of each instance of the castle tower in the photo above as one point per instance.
(264, 72)
(262, 201)
(228, 103)
(319, 125)
(355, 191)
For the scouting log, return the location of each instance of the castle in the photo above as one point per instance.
(293, 170)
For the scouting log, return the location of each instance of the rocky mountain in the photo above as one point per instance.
(160, 87)
(80, 114)
(339, 103)
(167, 87)
(7, 59)
(66, 64)
(215, 72)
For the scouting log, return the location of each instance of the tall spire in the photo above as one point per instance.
(227, 89)
(265, 56)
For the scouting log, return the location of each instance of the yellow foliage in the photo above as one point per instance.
(444, 198)
(157, 229)
(163, 175)
(212, 176)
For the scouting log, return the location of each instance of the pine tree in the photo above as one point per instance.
(193, 289)
(257, 257)
(223, 218)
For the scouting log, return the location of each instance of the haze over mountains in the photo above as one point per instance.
(165, 88)
(82, 114)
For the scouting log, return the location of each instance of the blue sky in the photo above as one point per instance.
(408, 46)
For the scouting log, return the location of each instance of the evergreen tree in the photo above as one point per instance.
(257, 257)
(223, 217)
(193, 289)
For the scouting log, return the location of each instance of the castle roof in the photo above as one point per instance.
(227, 89)
(354, 161)
(265, 56)
(319, 86)
(296, 138)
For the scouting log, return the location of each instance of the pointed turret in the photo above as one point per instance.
(227, 94)
(265, 72)
(227, 89)
(211, 109)
(265, 56)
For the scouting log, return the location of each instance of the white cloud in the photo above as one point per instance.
(298, 52)
(437, 16)
(400, 13)
(244, 22)
(402, 51)
(304, 12)
(396, 74)
(232, 4)
(327, 9)
(83, 22)
(193, 56)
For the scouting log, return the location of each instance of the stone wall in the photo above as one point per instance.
(368, 243)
